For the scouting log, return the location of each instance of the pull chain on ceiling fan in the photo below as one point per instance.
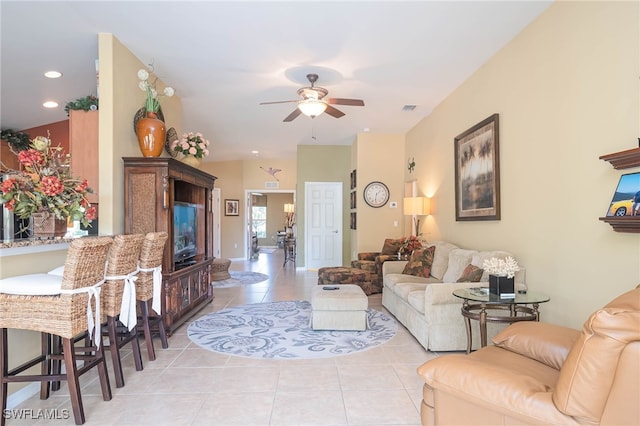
(312, 102)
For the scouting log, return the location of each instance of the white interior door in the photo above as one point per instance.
(216, 222)
(323, 224)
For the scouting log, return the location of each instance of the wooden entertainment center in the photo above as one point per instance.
(152, 186)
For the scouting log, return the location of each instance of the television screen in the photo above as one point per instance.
(626, 199)
(185, 244)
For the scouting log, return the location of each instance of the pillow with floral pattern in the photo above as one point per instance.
(420, 262)
(471, 274)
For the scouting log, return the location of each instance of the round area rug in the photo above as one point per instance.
(241, 278)
(281, 330)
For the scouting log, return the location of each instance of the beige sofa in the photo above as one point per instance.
(543, 374)
(427, 307)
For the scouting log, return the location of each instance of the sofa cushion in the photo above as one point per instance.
(416, 300)
(441, 258)
(481, 256)
(458, 261)
(391, 246)
(391, 280)
(420, 262)
(471, 274)
(403, 289)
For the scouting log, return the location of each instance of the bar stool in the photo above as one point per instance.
(119, 300)
(149, 288)
(64, 306)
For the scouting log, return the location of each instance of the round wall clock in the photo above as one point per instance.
(376, 194)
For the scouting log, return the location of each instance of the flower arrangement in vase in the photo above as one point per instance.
(501, 275)
(409, 244)
(45, 186)
(191, 146)
(150, 129)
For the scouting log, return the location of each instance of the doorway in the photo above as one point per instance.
(265, 218)
(323, 224)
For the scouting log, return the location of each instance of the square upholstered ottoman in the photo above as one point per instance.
(344, 308)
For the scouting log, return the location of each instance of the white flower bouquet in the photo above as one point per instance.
(506, 267)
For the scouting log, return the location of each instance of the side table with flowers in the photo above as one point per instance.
(192, 147)
(45, 191)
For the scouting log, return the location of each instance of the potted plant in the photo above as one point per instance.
(192, 146)
(87, 103)
(501, 275)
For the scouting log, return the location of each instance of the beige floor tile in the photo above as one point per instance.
(302, 408)
(187, 384)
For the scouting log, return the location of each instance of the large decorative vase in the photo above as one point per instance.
(47, 225)
(151, 133)
(501, 286)
(191, 160)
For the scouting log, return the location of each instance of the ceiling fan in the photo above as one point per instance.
(312, 102)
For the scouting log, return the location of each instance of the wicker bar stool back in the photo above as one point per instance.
(122, 268)
(149, 288)
(65, 312)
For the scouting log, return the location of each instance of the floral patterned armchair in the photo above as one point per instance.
(372, 261)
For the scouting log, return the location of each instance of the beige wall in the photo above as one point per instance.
(567, 91)
(234, 177)
(120, 98)
(323, 163)
(380, 158)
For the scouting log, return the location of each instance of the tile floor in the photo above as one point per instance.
(187, 385)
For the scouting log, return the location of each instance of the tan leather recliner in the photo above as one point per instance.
(543, 374)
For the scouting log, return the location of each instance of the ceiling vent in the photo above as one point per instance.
(408, 108)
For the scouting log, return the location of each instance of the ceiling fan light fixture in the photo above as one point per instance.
(312, 107)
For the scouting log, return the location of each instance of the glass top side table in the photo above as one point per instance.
(518, 311)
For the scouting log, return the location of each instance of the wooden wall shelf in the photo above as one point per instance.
(623, 159)
(623, 223)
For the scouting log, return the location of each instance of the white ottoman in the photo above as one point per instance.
(344, 308)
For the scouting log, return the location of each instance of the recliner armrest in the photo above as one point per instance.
(547, 343)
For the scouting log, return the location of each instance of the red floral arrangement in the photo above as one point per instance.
(45, 184)
(410, 244)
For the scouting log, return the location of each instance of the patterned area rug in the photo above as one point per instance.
(241, 278)
(280, 330)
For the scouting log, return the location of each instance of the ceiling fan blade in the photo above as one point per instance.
(296, 112)
(276, 102)
(333, 112)
(342, 101)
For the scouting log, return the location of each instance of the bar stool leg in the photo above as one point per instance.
(4, 369)
(112, 328)
(72, 380)
(144, 309)
(45, 366)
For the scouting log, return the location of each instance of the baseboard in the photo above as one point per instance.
(22, 395)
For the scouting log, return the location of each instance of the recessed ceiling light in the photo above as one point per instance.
(50, 104)
(53, 74)
(254, 152)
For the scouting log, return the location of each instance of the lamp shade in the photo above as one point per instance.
(417, 206)
(312, 107)
(289, 208)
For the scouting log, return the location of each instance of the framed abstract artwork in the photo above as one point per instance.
(231, 207)
(477, 172)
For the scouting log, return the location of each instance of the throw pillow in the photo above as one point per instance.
(420, 262)
(471, 274)
(391, 246)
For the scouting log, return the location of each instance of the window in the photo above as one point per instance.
(259, 221)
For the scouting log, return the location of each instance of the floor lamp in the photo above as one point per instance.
(416, 206)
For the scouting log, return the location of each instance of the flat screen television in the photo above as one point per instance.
(185, 235)
(626, 199)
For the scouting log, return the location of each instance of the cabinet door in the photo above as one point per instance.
(83, 147)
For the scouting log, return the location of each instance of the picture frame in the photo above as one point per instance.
(626, 198)
(353, 220)
(353, 179)
(231, 207)
(353, 199)
(477, 171)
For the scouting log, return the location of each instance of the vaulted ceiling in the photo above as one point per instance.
(225, 58)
